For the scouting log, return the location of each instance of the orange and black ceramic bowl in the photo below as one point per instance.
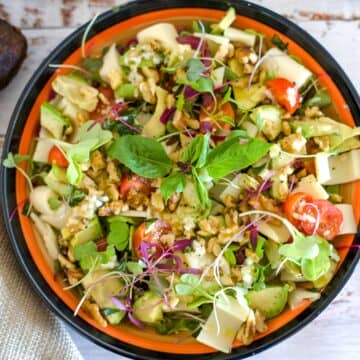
(121, 25)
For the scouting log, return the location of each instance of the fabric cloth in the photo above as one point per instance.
(28, 330)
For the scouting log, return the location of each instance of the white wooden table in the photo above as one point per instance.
(334, 335)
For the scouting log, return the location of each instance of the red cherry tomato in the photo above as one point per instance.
(151, 234)
(102, 110)
(216, 124)
(138, 238)
(313, 216)
(135, 183)
(285, 93)
(57, 157)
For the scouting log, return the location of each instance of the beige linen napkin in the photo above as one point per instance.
(28, 331)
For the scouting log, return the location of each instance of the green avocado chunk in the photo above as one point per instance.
(53, 120)
(270, 301)
(148, 308)
(91, 233)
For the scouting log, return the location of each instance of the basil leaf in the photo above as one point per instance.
(232, 156)
(87, 254)
(174, 183)
(119, 234)
(201, 191)
(145, 157)
(196, 151)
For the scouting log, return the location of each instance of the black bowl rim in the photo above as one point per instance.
(41, 75)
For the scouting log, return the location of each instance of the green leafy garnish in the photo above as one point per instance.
(312, 253)
(196, 151)
(173, 183)
(202, 192)
(144, 156)
(232, 156)
(13, 160)
(195, 69)
(229, 254)
(260, 276)
(118, 234)
(180, 101)
(87, 254)
(190, 285)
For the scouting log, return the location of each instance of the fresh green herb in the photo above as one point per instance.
(227, 119)
(87, 254)
(229, 254)
(93, 66)
(311, 252)
(91, 137)
(190, 285)
(259, 251)
(227, 96)
(118, 234)
(13, 160)
(232, 156)
(180, 101)
(260, 276)
(279, 43)
(195, 69)
(173, 183)
(202, 192)
(144, 156)
(202, 85)
(196, 151)
(238, 133)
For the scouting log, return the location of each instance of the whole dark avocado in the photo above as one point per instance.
(13, 48)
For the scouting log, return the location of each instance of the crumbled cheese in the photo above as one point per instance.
(291, 94)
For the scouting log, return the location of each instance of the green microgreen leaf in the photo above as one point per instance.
(13, 160)
(118, 234)
(195, 69)
(279, 43)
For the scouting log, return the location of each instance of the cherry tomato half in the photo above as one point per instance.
(312, 215)
(57, 157)
(135, 183)
(150, 233)
(102, 109)
(285, 93)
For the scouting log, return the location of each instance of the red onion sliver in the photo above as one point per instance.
(167, 115)
(191, 40)
(136, 321)
(119, 304)
(189, 93)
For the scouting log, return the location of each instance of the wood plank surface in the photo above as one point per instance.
(335, 23)
(60, 13)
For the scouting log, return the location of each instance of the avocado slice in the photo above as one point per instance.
(91, 233)
(148, 308)
(271, 301)
(115, 317)
(248, 99)
(102, 292)
(56, 181)
(53, 120)
(268, 118)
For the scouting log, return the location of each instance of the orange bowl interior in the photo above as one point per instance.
(149, 339)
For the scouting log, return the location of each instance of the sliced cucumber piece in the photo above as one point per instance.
(270, 301)
(283, 66)
(268, 119)
(115, 317)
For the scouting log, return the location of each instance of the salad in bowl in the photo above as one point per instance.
(190, 181)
